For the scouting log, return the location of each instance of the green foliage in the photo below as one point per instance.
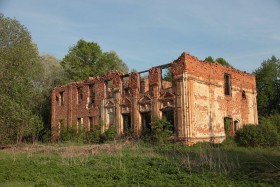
(160, 132)
(227, 124)
(209, 59)
(93, 136)
(109, 135)
(52, 75)
(257, 135)
(168, 75)
(68, 134)
(87, 59)
(138, 164)
(272, 120)
(220, 60)
(20, 73)
(268, 87)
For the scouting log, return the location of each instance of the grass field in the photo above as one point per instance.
(138, 164)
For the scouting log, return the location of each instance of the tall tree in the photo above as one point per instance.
(87, 59)
(19, 74)
(268, 86)
(52, 75)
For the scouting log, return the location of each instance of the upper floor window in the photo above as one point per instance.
(109, 90)
(61, 99)
(227, 79)
(80, 95)
(91, 95)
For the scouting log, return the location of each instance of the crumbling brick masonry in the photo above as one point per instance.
(200, 97)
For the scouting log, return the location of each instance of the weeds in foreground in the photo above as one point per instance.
(138, 163)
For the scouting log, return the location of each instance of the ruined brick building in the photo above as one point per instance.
(197, 101)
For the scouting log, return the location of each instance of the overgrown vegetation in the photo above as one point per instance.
(138, 164)
(159, 133)
(85, 136)
(27, 80)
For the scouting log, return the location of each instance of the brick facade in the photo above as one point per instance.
(197, 101)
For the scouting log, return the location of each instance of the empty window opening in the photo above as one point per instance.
(91, 96)
(61, 99)
(166, 77)
(61, 125)
(79, 124)
(126, 122)
(109, 89)
(125, 86)
(227, 83)
(90, 119)
(228, 126)
(80, 95)
(243, 95)
(146, 120)
(144, 82)
(168, 115)
(236, 125)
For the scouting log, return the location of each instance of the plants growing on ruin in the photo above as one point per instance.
(159, 133)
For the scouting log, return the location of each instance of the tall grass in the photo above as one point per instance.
(138, 164)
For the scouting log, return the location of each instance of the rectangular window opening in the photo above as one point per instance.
(166, 78)
(126, 122)
(146, 120)
(144, 82)
(80, 95)
(91, 96)
(61, 99)
(90, 119)
(79, 124)
(109, 90)
(227, 79)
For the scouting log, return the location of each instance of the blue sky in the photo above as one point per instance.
(147, 33)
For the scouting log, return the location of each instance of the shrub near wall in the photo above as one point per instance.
(265, 135)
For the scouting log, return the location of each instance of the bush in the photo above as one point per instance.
(109, 135)
(159, 133)
(68, 134)
(93, 136)
(257, 135)
(273, 120)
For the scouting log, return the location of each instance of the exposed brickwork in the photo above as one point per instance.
(200, 97)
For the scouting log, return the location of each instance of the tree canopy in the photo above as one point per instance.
(268, 86)
(20, 71)
(87, 59)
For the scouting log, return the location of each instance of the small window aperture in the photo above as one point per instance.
(243, 95)
(227, 83)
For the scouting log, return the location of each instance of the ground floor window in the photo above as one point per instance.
(228, 126)
(168, 115)
(146, 120)
(126, 122)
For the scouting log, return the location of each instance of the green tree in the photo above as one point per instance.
(268, 87)
(220, 60)
(52, 75)
(168, 75)
(87, 59)
(20, 72)
(209, 59)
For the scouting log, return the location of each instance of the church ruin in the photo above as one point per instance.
(198, 100)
